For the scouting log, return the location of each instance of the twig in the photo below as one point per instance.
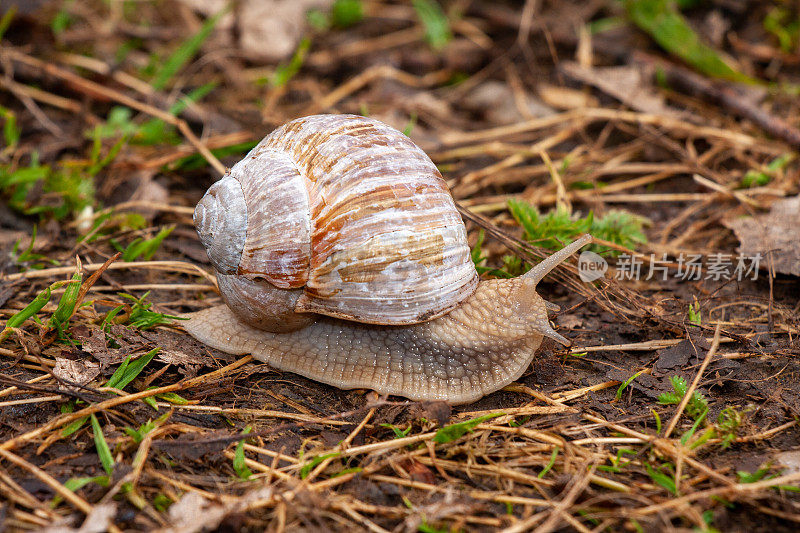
(724, 95)
(559, 511)
(592, 114)
(68, 495)
(176, 266)
(562, 200)
(343, 445)
(728, 491)
(93, 89)
(368, 76)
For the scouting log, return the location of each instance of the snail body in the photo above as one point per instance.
(341, 256)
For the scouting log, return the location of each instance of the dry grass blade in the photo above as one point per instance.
(173, 266)
(695, 383)
(94, 89)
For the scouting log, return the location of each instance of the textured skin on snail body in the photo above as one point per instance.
(341, 257)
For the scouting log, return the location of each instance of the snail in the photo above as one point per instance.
(341, 256)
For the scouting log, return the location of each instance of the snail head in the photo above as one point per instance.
(531, 307)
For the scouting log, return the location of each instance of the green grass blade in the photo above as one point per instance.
(457, 430)
(550, 464)
(141, 317)
(662, 20)
(658, 421)
(5, 22)
(662, 479)
(77, 483)
(345, 13)
(103, 451)
(194, 96)
(286, 72)
(412, 121)
(151, 402)
(145, 248)
(398, 433)
(74, 426)
(109, 318)
(308, 467)
(18, 318)
(153, 244)
(186, 51)
(115, 378)
(751, 477)
(239, 464)
(171, 397)
(437, 27)
(625, 384)
(132, 251)
(688, 435)
(66, 306)
(11, 131)
(135, 367)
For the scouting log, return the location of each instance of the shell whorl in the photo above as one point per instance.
(221, 222)
(353, 211)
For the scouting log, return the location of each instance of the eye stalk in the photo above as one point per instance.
(529, 299)
(221, 222)
(542, 269)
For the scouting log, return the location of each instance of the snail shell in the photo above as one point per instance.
(343, 216)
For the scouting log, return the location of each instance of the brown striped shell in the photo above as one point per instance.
(350, 210)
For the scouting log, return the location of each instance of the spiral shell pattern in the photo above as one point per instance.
(353, 211)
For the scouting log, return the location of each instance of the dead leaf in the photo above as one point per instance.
(79, 371)
(7, 290)
(439, 412)
(715, 26)
(629, 85)
(177, 350)
(270, 31)
(267, 30)
(99, 518)
(675, 356)
(149, 190)
(192, 447)
(496, 100)
(777, 231)
(97, 521)
(678, 356)
(569, 321)
(789, 460)
(93, 341)
(192, 249)
(194, 513)
(419, 472)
